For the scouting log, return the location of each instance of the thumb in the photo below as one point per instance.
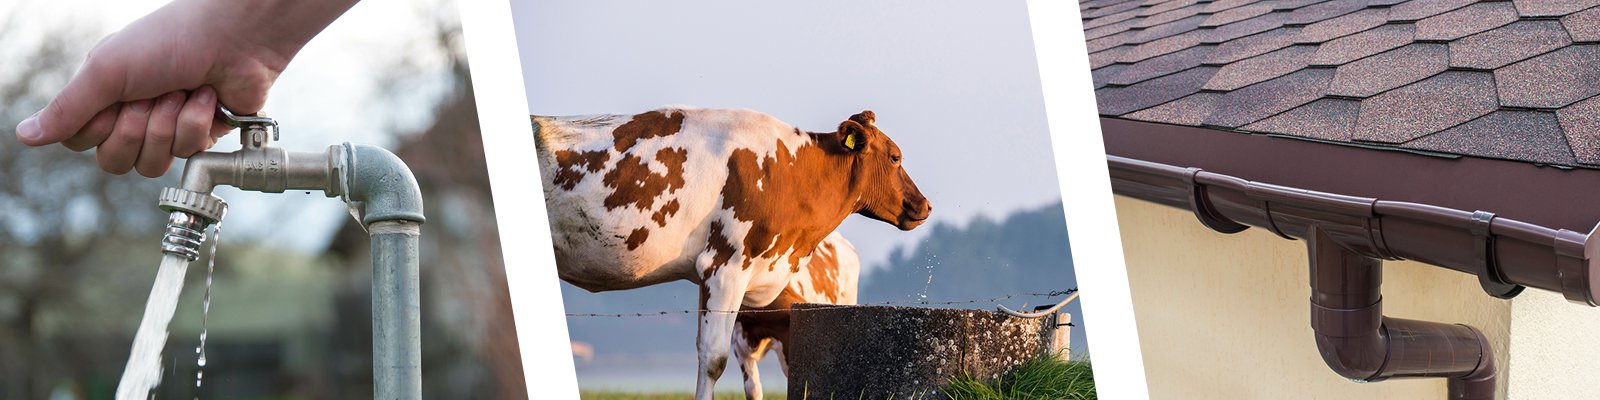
(92, 89)
(243, 96)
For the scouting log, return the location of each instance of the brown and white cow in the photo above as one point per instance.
(734, 200)
(830, 277)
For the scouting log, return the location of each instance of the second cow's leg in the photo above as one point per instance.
(749, 353)
(720, 296)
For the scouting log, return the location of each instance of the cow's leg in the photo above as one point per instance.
(783, 356)
(720, 296)
(749, 353)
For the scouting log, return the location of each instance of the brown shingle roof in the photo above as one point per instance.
(1515, 80)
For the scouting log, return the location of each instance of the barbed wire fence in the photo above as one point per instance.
(996, 300)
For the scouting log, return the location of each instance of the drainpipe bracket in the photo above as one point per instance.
(1489, 276)
(1207, 213)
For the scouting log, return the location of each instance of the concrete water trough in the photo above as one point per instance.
(879, 352)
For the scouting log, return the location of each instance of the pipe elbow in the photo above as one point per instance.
(378, 186)
(1480, 383)
(1358, 357)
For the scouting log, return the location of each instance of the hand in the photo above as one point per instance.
(149, 92)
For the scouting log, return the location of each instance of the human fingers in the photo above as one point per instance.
(194, 123)
(155, 156)
(93, 89)
(96, 131)
(121, 150)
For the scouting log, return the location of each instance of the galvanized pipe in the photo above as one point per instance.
(396, 310)
(384, 195)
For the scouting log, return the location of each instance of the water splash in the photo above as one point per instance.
(205, 309)
(143, 372)
(932, 261)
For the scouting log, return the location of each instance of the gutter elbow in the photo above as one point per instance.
(378, 186)
(1357, 356)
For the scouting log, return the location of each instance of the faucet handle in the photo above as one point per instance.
(246, 122)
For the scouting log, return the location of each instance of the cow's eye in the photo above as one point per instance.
(894, 158)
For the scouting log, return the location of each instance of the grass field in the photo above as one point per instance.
(1041, 378)
(587, 395)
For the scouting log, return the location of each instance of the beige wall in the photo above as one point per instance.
(1555, 348)
(1227, 316)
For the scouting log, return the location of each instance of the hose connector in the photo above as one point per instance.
(189, 215)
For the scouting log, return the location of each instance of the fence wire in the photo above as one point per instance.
(1054, 293)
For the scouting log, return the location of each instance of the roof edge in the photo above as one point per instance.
(1504, 253)
(1542, 195)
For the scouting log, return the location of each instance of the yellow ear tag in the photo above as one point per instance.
(850, 141)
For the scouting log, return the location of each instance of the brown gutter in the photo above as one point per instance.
(1540, 195)
(1348, 236)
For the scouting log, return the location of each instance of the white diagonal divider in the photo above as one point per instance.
(519, 199)
(1086, 193)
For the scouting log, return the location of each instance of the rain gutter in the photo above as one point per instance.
(1348, 237)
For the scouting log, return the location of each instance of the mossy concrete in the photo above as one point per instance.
(879, 352)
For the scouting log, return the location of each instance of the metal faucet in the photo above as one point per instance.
(379, 189)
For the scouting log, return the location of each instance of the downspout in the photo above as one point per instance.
(381, 193)
(1361, 344)
(1348, 237)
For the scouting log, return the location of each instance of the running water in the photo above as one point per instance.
(205, 308)
(143, 372)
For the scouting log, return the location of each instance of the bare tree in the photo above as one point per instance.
(59, 216)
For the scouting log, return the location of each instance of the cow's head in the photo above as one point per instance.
(887, 192)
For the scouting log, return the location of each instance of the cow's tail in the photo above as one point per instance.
(539, 132)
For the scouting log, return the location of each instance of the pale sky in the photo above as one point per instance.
(329, 95)
(954, 83)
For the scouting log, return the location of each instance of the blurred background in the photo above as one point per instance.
(954, 83)
(290, 308)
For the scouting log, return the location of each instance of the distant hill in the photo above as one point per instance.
(1026, 251)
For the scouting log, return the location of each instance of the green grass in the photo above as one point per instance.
(1040, 378)
(590, 395)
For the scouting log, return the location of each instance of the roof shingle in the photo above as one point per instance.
(1360, 45)
(1552, 8)
(1390, 70)
(1552, 80)
(1326, 30)
(1466, 21)
(1583, 26)
(1426, 107)
(1485, 79)
(1327, 119)
(1418, 9)
(1524, 135)
(1581, 122)
(1261, 68)
(1261, 100)
(1123, 100)
(1507, 44)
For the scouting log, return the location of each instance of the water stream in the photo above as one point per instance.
(205, 308)
(143, 372)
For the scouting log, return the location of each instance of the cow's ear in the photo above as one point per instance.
(852, 136)
(866, 117)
